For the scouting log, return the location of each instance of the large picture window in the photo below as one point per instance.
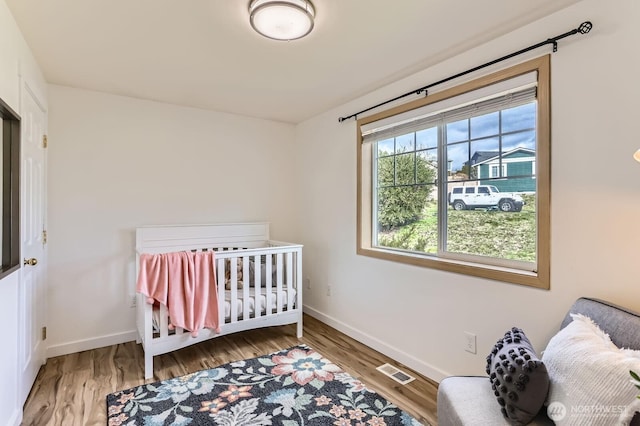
(459, 180)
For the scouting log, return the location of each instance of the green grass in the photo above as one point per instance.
(481, 232)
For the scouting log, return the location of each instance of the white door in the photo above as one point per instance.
(33, 197)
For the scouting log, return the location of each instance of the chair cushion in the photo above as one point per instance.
(469, 401)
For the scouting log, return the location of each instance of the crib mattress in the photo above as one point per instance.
(261, 299)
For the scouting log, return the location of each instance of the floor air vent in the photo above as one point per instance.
(396, 374)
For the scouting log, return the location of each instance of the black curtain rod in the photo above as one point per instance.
(584, 28)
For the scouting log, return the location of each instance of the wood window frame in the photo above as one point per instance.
(539, 278)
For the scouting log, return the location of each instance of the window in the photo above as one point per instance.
(459, 180)
(497, 171)
(9, 199)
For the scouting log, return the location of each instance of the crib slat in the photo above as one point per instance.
(257, 290)
(289, 280)
(220, 285)
(246, 281)
(164, 321)
(299, 286)
(268, 288)
(233, 265)
(279, 282)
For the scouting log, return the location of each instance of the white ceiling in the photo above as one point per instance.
(204, 54)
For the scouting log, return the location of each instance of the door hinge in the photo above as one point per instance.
(44, 333)
(44, 141)
(44, 237)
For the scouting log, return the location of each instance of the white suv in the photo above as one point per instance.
(484, 196)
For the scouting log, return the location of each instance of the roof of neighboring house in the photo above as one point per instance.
(480, 156)
(488, 156)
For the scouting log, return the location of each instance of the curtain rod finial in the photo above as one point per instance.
(585, 27)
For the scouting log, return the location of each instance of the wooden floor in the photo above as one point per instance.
(71, 389)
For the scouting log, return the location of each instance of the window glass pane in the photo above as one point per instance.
(519, 118)
(519, 140)
(385, 171)
(458, 131)
(485, 148)
(483, 151)
(405, 143)
(430, 155)
(485, 125)
(495, 224)
(405, 169)
(427, 138)
(412, 227)
(385, 147)
(426, 166)
(458, 157)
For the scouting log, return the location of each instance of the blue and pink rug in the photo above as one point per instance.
(292, 387)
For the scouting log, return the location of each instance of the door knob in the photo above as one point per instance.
(33, 261)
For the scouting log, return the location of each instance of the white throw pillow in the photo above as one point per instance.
(589, 376)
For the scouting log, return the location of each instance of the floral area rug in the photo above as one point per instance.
(295, 386)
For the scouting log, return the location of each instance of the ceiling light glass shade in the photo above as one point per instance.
(282, 19)
(636, 156)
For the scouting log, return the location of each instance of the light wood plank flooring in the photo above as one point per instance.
(72, 389)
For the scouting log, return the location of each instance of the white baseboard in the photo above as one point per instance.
(88, 344)
(410, 361)
(16, 419)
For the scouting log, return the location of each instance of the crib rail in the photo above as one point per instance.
(259, 282)
(251, 283)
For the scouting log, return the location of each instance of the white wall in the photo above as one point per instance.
(116, 163)
(10, 410)
(17, 66)
(419, 315)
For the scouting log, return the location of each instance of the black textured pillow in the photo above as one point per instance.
(518, 378)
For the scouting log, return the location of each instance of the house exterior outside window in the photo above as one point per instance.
(518, 165)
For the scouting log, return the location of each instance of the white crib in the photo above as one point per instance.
(272, 296)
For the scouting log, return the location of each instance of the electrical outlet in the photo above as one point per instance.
(133, 301)
(469, 342)
(328, 289)
(307, 283)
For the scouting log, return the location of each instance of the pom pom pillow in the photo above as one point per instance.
(590, 381)
(518, 378)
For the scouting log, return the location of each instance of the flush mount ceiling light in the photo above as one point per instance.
(282, 19)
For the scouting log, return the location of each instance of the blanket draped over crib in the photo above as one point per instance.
(185, 282)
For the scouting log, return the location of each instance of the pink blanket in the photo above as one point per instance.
(185, 282)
